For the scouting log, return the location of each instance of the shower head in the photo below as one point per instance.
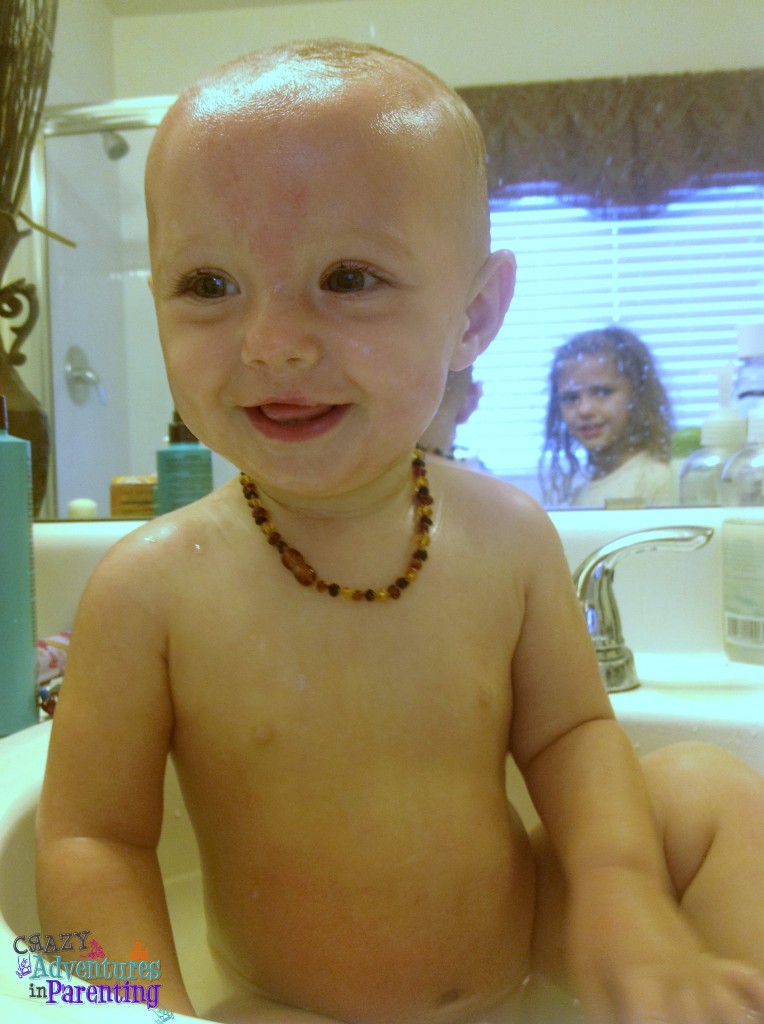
(115, 145)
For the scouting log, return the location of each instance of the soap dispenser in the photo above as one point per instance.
(184, 468)
(722, 435)
(18, 643)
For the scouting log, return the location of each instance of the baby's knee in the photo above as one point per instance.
(696, 758)
(704, 798)
(697, 773)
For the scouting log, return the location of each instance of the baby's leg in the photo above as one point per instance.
(710, 809)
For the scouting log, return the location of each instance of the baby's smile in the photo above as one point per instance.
(291, 421)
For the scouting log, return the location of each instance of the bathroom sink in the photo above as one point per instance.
(696, 697)
(701, 699)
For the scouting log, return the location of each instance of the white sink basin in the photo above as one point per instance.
(696, 697)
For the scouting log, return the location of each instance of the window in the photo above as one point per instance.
(682, 280)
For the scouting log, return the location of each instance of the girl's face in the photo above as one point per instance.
(595, 403)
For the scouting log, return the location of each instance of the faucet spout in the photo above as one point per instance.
(593, 580)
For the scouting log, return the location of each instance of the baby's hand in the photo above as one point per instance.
(709, 991)
(635, 960)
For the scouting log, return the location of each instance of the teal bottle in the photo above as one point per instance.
(184, 469)
(18, 643)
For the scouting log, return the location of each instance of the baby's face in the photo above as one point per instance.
(595, 402)
(309, 287)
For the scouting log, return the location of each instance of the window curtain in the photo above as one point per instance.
(622, 146)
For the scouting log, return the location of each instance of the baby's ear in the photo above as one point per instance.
(492, 293)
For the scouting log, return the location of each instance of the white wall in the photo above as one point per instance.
(467, 42)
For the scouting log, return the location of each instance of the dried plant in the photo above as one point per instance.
(26, 49)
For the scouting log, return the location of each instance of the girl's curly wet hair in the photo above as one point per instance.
(650, 417)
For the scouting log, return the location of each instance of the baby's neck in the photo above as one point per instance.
(365, 529)
(388, 494)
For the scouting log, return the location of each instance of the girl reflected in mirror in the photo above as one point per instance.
(608, 426)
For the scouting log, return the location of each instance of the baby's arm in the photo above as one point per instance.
(632, 956)
(100, 811)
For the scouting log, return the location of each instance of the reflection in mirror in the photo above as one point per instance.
(609, 424)
(100, 300)
(631, 201)
(681, 272)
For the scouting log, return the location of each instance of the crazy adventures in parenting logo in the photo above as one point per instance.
(88, 975)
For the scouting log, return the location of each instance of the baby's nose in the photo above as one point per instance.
(280, 332)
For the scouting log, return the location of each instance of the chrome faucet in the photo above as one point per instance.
(593, 580)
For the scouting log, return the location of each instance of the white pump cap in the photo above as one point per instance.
(724, 428)
(750, 341)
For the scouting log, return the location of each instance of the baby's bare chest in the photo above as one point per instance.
(355, 680)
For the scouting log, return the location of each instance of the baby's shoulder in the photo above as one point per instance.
(154, 557)
(501, 502)
(494, 515)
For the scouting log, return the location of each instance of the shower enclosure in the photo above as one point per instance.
(108, 398)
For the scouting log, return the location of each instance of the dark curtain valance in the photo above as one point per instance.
(623, 142)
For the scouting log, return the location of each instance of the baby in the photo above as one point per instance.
(340, 649)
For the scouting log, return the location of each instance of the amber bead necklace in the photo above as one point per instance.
(307, 576)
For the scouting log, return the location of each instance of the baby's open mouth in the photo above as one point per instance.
(290, 421)
(286, 412)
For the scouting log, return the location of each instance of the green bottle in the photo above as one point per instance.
(184, 468)
(18, 644)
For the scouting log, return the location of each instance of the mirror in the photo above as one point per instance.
(111, 401)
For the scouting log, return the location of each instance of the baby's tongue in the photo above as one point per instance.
(283, 412)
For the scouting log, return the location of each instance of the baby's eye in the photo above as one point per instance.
(348, 277)
(203, 284)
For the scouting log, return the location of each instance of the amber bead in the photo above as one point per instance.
(300, 569)
(304, 572)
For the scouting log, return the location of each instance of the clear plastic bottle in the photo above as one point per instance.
(748, 387)
(743, 475)
(722, 435)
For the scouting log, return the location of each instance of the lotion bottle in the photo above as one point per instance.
(743, 589)
(18, 644)
(184, 468)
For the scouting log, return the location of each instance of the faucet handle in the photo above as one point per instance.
(593, 580)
